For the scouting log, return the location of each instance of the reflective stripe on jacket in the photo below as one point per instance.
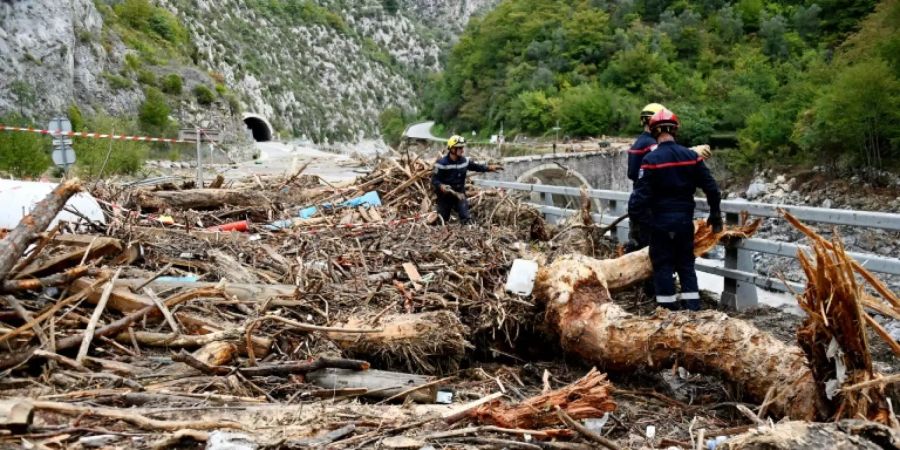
(666, 183)
(643, 145)
(453, 173)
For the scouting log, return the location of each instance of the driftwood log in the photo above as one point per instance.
(576, 290)
(430, 342)
(199, 199)
(843, 435)
(15, 243)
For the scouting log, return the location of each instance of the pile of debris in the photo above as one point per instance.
(286, 312)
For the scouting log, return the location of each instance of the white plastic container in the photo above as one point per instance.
(17, 198)
(521, 277)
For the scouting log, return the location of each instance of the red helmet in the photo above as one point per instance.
(664, 118)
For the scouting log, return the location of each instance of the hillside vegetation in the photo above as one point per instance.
(790, 81)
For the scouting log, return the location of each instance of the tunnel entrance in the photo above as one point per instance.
(260, 127)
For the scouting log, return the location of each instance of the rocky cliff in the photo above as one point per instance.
(322, 69)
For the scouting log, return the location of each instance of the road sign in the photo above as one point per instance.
(209, 135)
(63, 156)
(59, 125)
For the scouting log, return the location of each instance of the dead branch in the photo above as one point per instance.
(16, 242)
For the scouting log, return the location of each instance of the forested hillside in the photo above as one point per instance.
(793, 81)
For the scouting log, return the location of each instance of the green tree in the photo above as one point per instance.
(535, 112)
(154, 111)
(393, 123)
(590, 110)
(23, 154)
(856, 119)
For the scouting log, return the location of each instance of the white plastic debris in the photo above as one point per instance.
(521, 277)
(444, 397)
(651, 432)
(101, 440)
(224, 440)
(19, 198)
(596, 425)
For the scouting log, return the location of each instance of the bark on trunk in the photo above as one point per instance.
(15, 243)
(199, 199)
(576, 290)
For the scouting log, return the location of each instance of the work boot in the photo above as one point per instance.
(671, 306)
(693, 304)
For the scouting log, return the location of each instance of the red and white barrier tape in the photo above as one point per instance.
(115, 137)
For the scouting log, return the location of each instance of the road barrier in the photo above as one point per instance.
(739, 273)
(82, 134)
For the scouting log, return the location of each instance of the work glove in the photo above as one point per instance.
(495, 168)
(703, 150)
(715, 221)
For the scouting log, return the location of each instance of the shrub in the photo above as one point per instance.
(116, 82)
(204, 95)
(147, 77)
(23, 154)
(154, 111)
(171, 84)
(125, 157)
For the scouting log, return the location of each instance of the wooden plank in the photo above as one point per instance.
(379, 383)
(121, 299)
(413, 273)
(102, 246)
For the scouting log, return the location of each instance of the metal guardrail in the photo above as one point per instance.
(739, 273)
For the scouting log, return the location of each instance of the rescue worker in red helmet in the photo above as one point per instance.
(664, 198)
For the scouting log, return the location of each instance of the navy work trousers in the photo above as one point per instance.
(447, 203)
(672, 251)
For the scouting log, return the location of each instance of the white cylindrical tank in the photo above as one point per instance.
(17, 198)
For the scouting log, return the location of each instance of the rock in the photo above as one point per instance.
(780, 179)
(827, 203)
(756, 189)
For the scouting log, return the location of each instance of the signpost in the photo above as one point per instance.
(63, 154)
(199, 135)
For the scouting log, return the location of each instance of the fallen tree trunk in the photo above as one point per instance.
(576, 291)
(15, 243)
(846, 434)
(199, 199)
(430, 342)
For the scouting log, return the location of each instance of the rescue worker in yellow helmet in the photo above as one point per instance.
(449, 180)
(639, 233)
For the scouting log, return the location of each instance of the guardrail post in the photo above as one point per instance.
(738, 295)
(619, 233)
(746, 292)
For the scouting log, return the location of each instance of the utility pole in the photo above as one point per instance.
(556, 139)
(500, 140)
(199, 162)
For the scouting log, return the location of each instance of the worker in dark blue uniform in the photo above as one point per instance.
(638, 233)
(664, 198)
(449, 180)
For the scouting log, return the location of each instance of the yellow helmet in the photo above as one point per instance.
(456, 141)
(650, 110)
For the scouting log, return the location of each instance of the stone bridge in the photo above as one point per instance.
(605, 169)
